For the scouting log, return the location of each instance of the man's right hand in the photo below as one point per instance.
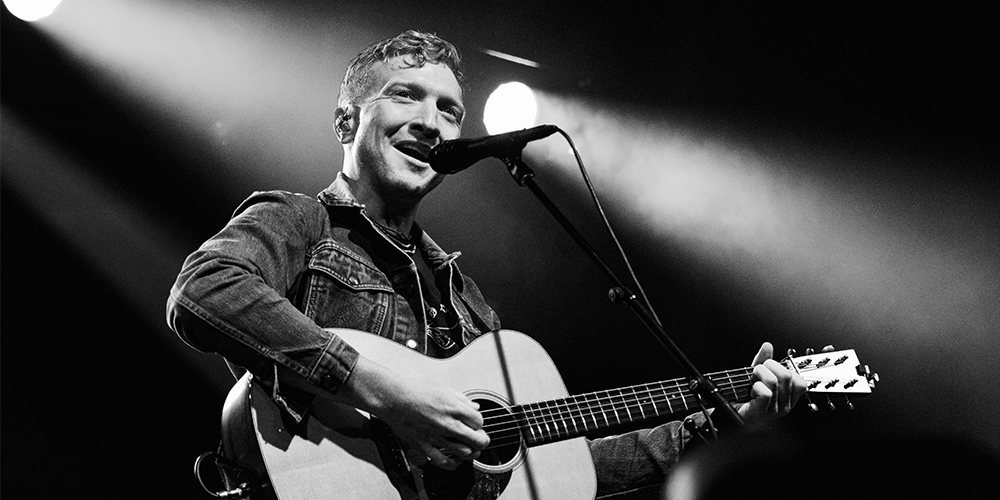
(434, 423)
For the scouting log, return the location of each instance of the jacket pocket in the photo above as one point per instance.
(346, 290)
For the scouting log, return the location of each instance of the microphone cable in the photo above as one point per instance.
(709, 422)
(607, 224)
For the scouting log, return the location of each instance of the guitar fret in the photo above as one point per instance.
(547, 432)
(684, 398)
(589, 407)
(569, 418)
(649, 401)
(638, 401)
(563, 416)
(666, 395)
(571, 407)
(550, 425)
(732, 385)
(536, 429)
(559, 419)
(607, 423)
(584, 410)
(590, 410)
(628, 412)
(652, 401)
(543, 418)
(526, 417)
(736, 394)
(556, 418)
(573, 414)
(729, 381)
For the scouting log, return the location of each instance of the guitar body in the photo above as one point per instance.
(339, 452)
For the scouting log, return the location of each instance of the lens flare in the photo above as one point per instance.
(31, 10)
(511, 106)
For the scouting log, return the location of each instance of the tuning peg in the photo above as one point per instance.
(812, 406)
(810, 351)
(866, 372)
(829, 402)
(850, 405)
(792, 353)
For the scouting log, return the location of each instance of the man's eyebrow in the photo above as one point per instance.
(416, 86)
(394, 84)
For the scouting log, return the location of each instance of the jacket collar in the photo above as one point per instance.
(339, 195)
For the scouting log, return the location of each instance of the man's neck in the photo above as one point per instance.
(385, 210)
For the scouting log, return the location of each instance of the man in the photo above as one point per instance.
(262, 291)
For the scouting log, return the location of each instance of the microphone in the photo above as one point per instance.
(456, 155)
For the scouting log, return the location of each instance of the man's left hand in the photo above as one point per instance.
(775, 391)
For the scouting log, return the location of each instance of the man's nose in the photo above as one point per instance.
(427, 121)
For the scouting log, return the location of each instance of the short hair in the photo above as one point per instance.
(422, 47)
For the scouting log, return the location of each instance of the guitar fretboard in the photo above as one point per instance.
(559, 419)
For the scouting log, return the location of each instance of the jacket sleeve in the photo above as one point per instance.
(636, 464)
(230, 296)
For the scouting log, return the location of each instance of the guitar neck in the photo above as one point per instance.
(555, 420)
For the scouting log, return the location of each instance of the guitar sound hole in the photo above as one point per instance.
(505, 436)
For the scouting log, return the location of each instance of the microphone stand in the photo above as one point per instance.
(699, 384)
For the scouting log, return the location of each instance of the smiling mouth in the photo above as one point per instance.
(418, 152)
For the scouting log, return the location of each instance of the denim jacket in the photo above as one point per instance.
(286, 266)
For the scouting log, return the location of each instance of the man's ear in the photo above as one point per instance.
(345, 123)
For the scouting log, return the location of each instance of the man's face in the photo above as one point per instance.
(409, 110)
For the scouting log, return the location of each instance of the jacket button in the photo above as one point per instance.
(326, 381)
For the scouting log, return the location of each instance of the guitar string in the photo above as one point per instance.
(657, 388)
(675, 385)
(534, 415)
(540, 416)
(510, 434)
(637, 392)
(558, 409)
(554, 412)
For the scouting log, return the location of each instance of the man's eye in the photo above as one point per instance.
(404, 94)
(455, 113)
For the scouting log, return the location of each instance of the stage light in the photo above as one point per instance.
(511, 106)
(31, 10)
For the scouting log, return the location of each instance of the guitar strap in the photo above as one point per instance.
(477, 320)
(298, 416)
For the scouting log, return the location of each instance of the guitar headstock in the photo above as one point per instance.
(833, 372)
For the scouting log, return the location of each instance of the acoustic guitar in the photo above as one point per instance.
(537, 447)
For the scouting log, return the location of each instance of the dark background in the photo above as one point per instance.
(99, 396)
